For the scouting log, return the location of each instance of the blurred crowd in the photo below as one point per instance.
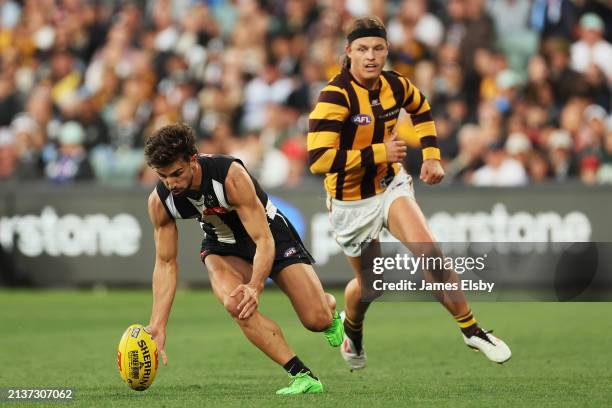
(520, 89)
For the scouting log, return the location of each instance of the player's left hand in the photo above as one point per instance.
(432, 171)
(250, 299)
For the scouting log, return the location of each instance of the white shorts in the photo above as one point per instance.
(360, 221)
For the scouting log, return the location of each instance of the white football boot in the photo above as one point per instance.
(349, 354)
(492, 347)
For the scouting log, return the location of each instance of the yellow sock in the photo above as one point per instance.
(467, 323)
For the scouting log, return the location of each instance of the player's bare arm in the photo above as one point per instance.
(165, 271)
(241, 194)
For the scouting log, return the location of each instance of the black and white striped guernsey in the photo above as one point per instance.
(209, 205)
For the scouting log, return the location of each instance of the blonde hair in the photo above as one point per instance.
(371, 22)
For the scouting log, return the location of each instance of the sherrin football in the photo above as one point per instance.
(137, 358)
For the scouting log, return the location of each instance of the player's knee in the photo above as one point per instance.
(318, 322)
(231, 305)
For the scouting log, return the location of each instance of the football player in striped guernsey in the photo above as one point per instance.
(246, 239)
(352, 141)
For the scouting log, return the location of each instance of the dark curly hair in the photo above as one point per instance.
(169, 144)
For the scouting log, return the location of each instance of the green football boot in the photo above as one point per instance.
(301, 383)
(335, 333)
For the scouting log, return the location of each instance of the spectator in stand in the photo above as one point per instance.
(518, 147)
(499, 169)
(562, 161)
(270, 87)
(457, 16)
(29, 143)
(604, 174)
(538, 88)
(428, 29)
(598, 89)
(244, 73)
(10, 105)
(538, 167)
(554, 18)
(472, 145)
(566, 83)
(69, 162)
(589, 166)
(592, 48)
(96, 130)
(8, 154)
(515, 36)
(479, 34)
(592, 130)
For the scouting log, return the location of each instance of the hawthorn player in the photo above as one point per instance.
(352, 141)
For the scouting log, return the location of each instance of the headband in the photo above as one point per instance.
(366, 32)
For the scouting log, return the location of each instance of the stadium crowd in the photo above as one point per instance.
(520, 90)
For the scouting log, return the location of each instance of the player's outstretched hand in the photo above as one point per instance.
(432, 172)
(158, 335)
(249, 302)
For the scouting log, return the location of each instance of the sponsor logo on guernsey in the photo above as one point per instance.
(290, 252)
(390, 113)
(361, 119)
(214, 211)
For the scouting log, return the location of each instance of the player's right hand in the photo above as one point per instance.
(158, 334)
(396, 149)
(250, 299)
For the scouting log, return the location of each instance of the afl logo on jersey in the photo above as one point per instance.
(361, 119)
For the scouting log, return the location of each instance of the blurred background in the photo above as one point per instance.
(520, 91)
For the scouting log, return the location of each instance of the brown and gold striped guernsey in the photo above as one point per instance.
(348, 128)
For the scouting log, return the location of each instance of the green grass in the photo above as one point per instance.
(562, 354)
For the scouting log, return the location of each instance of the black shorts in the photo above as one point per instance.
(289, 248)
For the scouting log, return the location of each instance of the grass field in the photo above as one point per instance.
(562, 354)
